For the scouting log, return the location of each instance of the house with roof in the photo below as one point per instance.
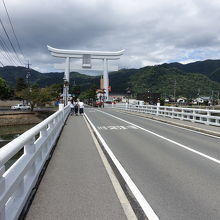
(202, 99)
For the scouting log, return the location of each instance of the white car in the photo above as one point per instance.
(20, 107)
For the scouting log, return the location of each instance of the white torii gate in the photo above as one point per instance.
(86, 57)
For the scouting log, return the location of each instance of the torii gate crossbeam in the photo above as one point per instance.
(86, 57)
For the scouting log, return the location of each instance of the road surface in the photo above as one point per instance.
(177, 170)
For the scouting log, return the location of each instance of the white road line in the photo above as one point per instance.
(167, 139)
(136, 192)
(118, 189)
(176, 126)
(116, 127)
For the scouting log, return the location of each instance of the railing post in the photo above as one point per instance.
(61, 108)
(51, 130)
(2, 212)
(182, 112)
(2, 189)
(194, 116)
(29, 149)
(44, 134)
(158, 107)
(208, 115)
(126, 106)
(172, 112)
(2, 179)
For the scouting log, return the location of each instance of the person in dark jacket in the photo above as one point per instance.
(76, 108)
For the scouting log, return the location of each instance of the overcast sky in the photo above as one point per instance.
(151, 31)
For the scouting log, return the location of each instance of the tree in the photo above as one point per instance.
(36, 95)
(5, 90)
(56, 90)
(89, 94)
(75, 90)
(20, 84)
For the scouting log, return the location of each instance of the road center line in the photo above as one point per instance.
(167, 139)
(136, 192)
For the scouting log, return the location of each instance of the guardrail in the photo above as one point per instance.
(18, 181)
(204, 116)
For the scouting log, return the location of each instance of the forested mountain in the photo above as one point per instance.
(189, 80)
(166, 80)
(11, 73)
(210, 68)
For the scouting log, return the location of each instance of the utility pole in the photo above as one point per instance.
(198, 94)
(174, 91)
(28, 73)
(218, 98)
(27, 77)
(212, 97)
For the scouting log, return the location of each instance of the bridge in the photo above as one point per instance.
(120, 162)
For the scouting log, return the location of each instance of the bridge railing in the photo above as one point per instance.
(18, 181)
(204, 116)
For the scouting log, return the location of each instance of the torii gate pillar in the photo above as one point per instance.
(105, 78)
(86, 57)
(66, 81)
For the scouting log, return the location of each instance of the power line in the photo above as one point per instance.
(4, 55)
(13, 29)
(6, 51)
(10, 41)
(2, 64)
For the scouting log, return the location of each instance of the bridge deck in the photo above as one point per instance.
(76, 184)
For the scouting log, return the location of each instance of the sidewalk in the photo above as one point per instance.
(208, 129)
(76, 184)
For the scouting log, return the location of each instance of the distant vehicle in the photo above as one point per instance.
(98, 104)
(181, 100)
(20, 107)
(108, 101)
(136, 102)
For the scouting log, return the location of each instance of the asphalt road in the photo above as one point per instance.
(176, 170)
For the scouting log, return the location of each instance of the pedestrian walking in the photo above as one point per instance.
(72, 108)
(76, 108)
(81, 107)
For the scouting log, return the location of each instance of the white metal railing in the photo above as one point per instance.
(17, 182)
(205, 116)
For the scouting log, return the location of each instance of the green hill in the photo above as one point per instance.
(11, 73)
(164, 79)
(201, 77)
(207, 67)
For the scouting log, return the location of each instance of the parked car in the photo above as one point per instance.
(20, 107)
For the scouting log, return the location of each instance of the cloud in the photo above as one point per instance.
(151, 31)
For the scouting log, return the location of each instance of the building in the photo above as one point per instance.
(149, 97)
